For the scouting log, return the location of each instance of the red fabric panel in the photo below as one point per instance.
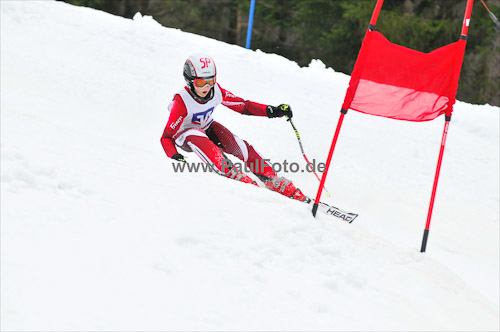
(397, 82)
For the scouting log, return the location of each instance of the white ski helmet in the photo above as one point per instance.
(200, 66)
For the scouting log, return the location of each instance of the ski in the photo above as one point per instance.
(333, 211)
(323, 207)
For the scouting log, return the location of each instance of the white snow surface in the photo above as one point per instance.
(99, 233)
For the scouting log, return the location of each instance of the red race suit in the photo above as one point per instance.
(192, 128)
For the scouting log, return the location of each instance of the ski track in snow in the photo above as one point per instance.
(99, 233)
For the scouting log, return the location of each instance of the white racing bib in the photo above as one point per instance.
(199, 115)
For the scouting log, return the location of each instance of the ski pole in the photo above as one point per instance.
(304, 154)
(493, 17)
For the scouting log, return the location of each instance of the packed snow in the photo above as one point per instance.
(99, 233)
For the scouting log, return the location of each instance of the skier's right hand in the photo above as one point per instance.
(179, 157)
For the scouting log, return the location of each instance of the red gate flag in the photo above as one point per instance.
(396, 82)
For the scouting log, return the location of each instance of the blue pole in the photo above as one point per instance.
(250, 23)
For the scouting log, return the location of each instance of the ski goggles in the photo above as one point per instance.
(203, 82)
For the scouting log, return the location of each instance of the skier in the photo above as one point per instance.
(191, 127)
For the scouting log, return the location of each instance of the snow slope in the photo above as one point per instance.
(99, 233)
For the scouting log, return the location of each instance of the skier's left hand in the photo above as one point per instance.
(279, 111)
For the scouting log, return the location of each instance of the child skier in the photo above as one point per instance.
(191, 127)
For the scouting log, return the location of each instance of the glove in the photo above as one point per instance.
(179, 157)
(279, 111)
